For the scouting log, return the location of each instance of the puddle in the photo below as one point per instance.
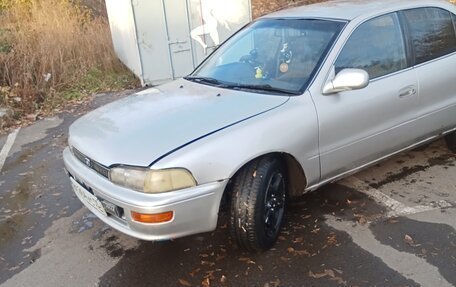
(113, 247)
(403, 173)
(8, 229)
(445, 160)
(436, 243)
(24, 156)
(84, 224)
(14, 210)
(100, 232)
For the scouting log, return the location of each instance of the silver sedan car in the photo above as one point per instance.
(296, 99)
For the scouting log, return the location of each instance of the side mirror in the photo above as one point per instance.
(347, 80)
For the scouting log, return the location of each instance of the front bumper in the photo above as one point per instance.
(195, 209)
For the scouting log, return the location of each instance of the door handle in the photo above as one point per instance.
(407, 92)
(181, 51)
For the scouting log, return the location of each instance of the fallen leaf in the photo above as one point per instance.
(362, 220)
(209, 275)
(302, 253)
(339, 271)
(275, 283)
(220, 257)
(332, 240)
(194, 272)
(206, 282)
(298, 240)
(207, 263)
(317, 275)
(408, 239)
(315, 231)
(184, 282)
(284, 259)
(244, 259)
(247, 260)
(30, 117)
(330, 273)
(339, 280)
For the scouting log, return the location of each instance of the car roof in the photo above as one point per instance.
(351, 9)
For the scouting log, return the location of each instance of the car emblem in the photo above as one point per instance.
(87, 161)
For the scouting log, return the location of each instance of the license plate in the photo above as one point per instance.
(87, 198)
(111, 208)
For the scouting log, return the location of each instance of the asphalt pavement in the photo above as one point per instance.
(393, 224)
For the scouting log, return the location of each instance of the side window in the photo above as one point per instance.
(376, 46)
(432, 32)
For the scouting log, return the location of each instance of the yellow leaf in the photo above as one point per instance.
(184, 282)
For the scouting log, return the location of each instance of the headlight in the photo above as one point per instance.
(152, 181)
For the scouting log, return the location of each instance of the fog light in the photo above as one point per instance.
(152, 218)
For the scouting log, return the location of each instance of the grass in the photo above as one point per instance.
(52, 52)
(95, 81)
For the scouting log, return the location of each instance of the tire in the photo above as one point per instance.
(258, 203)
(451, 141)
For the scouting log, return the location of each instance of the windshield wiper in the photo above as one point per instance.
(206, 80)
(265, 88)
(215, 82)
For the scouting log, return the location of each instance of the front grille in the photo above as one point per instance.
(99, 168)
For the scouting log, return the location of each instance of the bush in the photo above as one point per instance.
(48, 51)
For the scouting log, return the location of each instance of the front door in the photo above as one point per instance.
(357, 127)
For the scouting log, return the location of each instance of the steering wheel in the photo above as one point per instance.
(250, 58)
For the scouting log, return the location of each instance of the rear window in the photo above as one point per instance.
(432, 31)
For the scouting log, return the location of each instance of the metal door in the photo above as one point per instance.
(178, 31)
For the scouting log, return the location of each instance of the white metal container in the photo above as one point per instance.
(162, 40)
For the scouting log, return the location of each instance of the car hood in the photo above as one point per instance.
(141, 128)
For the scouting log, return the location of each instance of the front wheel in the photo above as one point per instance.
(258, 203)
(451, 141)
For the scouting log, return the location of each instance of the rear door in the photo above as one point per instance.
(357, 127)
(433, 38)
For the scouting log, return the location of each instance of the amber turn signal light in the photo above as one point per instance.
(152, 218)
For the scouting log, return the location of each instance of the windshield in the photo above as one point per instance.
(270, 55)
